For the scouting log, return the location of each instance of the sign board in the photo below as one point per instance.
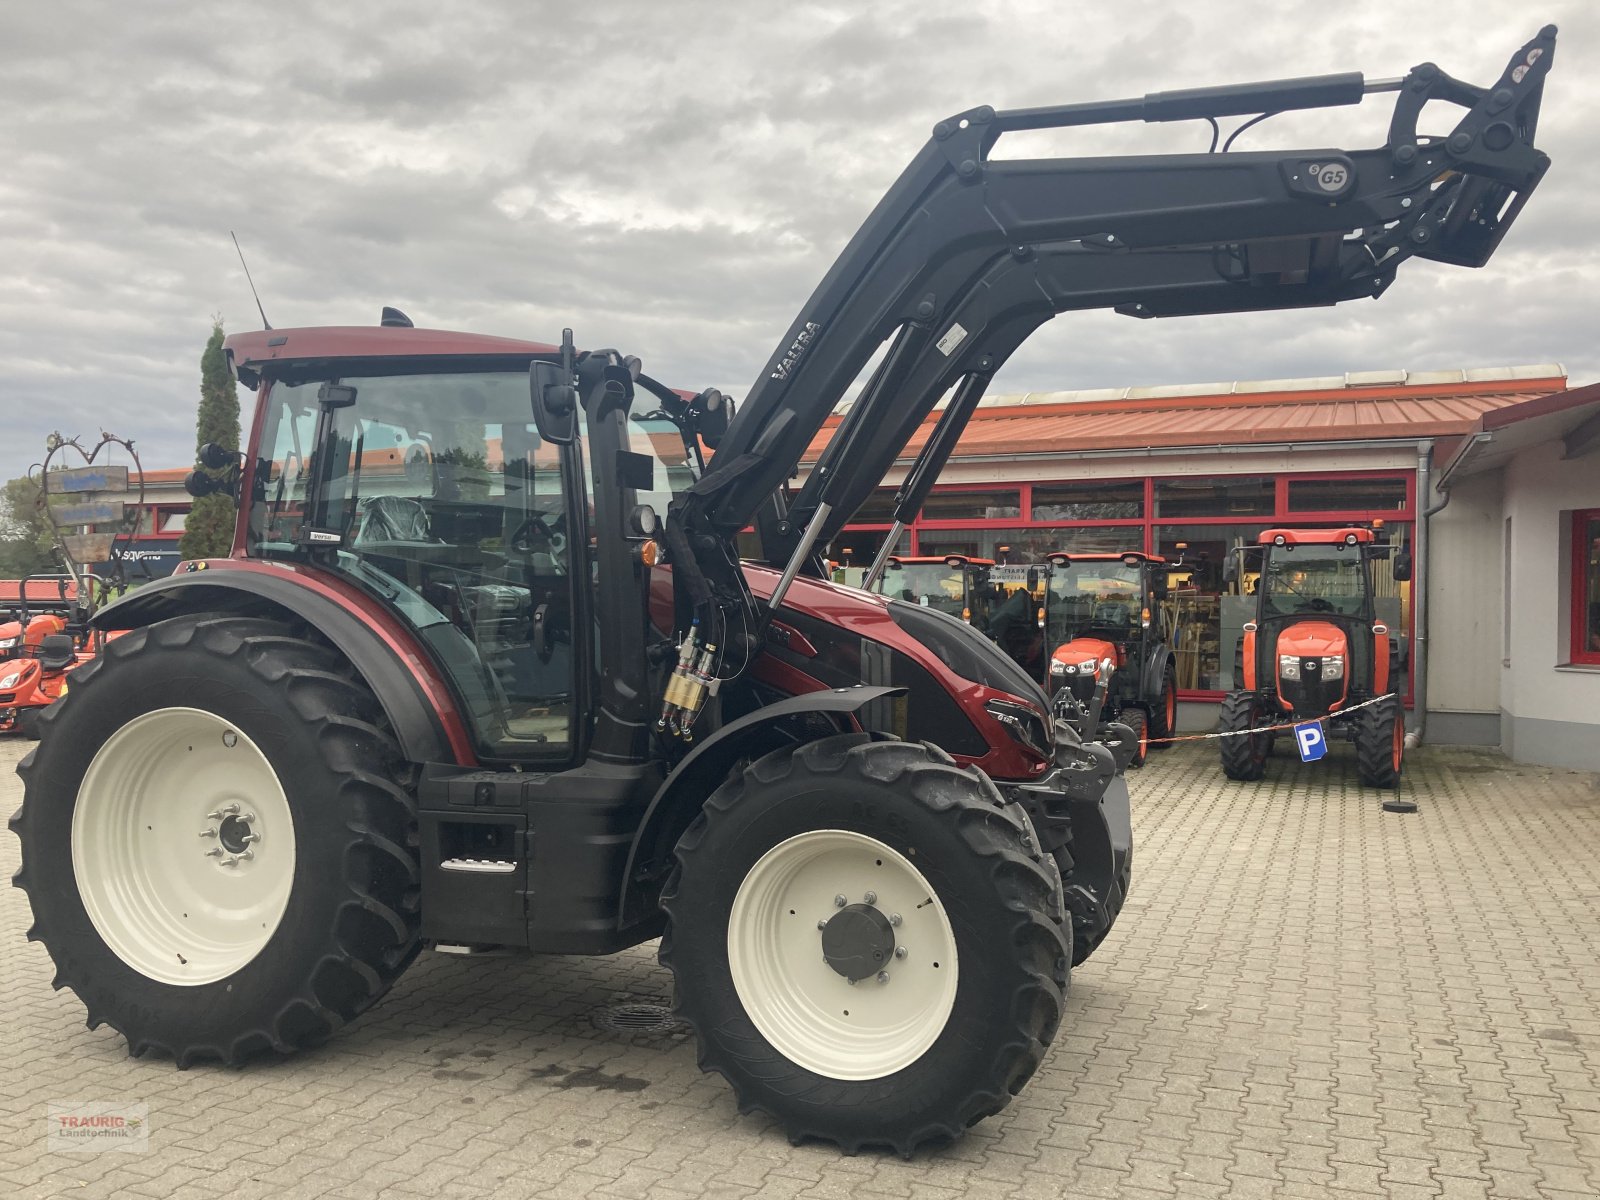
(88, 547)
(1312, 740)
(90, 479)
(88, 512)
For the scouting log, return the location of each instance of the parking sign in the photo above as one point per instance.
(1311, 739)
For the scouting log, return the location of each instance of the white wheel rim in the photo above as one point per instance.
(182, 846)
(809, 1012)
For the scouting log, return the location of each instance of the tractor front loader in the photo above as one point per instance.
(484, 668)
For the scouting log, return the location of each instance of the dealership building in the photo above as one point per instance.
(1491, 476)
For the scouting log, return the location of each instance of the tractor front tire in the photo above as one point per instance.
(1136, 720)
(1244, 755)
(1164, 714)
(27, 723)
(870, 946)
(1380, 737)
(216, 841)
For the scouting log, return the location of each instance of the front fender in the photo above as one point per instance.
(677, 801)
(1154, 668)
(418, 706)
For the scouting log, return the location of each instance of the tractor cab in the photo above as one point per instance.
(954, 584)
(1101, 623)
(1316, 648)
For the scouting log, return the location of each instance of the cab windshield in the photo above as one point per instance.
(436, 493)
(932, 585)
(1101, 598)
(1314, 578)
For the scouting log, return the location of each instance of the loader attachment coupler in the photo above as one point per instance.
(966, 255)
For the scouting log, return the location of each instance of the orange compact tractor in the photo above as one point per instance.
(36, 651)
(1111, 659)
(1316, 651)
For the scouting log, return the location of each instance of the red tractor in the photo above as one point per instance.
(1317, 651)
(485, 668)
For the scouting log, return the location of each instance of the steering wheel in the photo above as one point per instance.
(550, 538)
(1316, 604)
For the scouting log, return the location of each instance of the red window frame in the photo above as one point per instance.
(1582, 655)
(1143, 531)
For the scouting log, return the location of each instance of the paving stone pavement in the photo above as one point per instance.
(1305, 997)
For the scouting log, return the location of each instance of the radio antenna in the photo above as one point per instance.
(265, 324)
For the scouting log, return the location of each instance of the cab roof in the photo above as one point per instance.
(1156, 559)
(251, 354)
(949, 560)
(1349, 536)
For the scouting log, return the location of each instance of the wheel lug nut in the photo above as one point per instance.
(214, 852)
(243, 854)
(894, 918)
(900, 951)
(250, 837)
(883, 977)
(208, 832)
(850, 981)
(228, 862)
(840, 902)
(247, 817)
(822, 925)
(870, 898)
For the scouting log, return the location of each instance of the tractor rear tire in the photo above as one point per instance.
(1244, 756)
(1164, 713)
(817, 866)
(1380, 737)
(1136, 720)
(217, 843)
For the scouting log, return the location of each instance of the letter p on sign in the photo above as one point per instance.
(1312, 741)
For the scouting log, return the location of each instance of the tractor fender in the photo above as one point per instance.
(1154, 667)
(415, 721)
(677, 801)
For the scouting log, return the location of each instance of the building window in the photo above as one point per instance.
(173, 522)
(1088, 501)
(972, 506)
(1586, 586)
(1217, 496)
(1347, 495)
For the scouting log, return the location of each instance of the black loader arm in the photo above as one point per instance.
(967, 254)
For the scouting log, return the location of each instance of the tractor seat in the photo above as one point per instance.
(394, 519)
(56, 652)
(1113, 614)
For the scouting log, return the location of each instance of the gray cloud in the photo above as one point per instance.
(667, 178)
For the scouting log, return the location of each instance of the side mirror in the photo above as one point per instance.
(555, 402)
(1230, 567)
(1402, 565)
(1033, 580)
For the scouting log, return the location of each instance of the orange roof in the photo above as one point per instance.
(1332, 414)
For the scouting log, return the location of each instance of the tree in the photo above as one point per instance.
(208, 532)
(26, 541)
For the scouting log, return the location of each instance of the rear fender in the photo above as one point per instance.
(1155, 668)
(393, 675)
(678, 801)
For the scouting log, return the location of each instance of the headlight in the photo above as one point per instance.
(7, 643)
(1056, 668)
(1289, 666)
(1333, 666)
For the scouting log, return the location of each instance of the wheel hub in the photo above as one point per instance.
(233, 829)
(857, 941)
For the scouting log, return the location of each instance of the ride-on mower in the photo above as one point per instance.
(461, 685)
(1111, 660)
(1316, 651)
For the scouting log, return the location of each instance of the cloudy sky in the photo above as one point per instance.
(671, 178)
